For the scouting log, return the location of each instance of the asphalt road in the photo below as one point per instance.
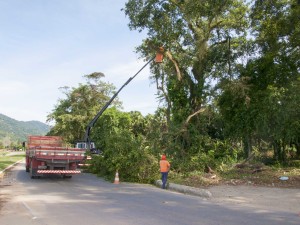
(87, 199)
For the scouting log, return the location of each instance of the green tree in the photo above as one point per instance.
(259, 103)
(203, 41)
(276, 71)
(6, 142)
(72, 114)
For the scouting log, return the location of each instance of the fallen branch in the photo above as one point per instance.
(257, 170)
(242, 164)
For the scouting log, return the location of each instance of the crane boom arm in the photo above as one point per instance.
(94, 120)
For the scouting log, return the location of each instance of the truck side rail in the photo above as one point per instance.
(56, 153)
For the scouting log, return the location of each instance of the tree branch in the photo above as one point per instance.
(191, 116)
(169, 55)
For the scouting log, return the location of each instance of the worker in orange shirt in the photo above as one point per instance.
(164, 170)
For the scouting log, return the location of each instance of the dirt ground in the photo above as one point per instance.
(260, 187)
(249, 175)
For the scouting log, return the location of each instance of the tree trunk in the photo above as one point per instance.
(283, 152)
(279, 151)
(297, 145)
(247, 146)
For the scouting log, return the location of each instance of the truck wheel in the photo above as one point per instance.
(31, 175)
(31, 171)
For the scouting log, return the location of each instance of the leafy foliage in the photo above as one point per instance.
(259, 103)
(228, 87)
(199, 39)
(125, 147)
(72, 114)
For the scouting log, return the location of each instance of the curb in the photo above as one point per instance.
(186, 189)
(12, 165)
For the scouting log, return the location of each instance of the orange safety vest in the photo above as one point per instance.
(164, 166)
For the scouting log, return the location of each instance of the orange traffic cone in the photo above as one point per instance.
(117, 181)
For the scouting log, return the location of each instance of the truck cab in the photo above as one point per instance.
(84, 145)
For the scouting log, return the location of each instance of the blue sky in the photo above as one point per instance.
(48, 44)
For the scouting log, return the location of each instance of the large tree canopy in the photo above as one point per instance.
(72, 114)
(245, 52)
(203, 41)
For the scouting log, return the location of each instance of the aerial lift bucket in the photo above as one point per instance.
(159, 55)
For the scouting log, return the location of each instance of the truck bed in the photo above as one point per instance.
(46, 153)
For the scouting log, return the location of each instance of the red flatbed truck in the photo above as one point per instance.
(46, 155)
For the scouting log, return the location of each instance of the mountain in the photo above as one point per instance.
(17, 131)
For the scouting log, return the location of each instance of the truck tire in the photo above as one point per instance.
(31, 171)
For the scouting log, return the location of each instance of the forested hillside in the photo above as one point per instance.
(14, 132)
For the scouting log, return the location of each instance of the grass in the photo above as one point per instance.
(7, 160)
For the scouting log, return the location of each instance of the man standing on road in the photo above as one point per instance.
(164, 169)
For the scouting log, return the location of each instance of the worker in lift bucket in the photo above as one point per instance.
(164, 170)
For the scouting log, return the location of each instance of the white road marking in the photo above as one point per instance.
(30, 211)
